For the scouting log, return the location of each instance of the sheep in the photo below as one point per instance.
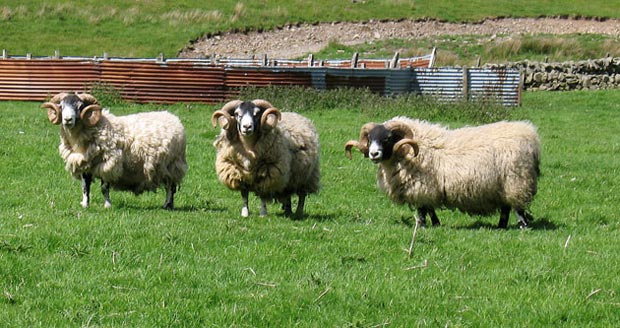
(476, 170)
(136, 153)
(270, 153)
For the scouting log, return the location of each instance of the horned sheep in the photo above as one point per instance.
(477, 170)
(271, 153)
(137, 153)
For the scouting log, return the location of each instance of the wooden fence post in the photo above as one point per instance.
(465, 83)
(394, 61)
(354, 60)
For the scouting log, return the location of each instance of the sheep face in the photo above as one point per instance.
(381, 143)
(70, 109)
(248, 117)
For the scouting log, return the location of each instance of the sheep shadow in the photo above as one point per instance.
(542, 223)
(206, 206)
(309, 217)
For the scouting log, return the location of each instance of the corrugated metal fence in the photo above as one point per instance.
(175, 80)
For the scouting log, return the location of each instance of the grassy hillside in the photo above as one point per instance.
(146, 28)
(344, 265)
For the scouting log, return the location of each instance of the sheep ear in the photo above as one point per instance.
(91, 115)
(53, 112)
(270, 117)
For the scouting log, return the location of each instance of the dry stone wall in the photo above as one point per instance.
(603, 73)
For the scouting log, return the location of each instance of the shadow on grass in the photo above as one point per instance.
(309, 217)
(542, 223)
(535, 224)
(206, 206)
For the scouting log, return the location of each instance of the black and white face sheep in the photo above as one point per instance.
(477, 170)
(138, 152)
(271, 153)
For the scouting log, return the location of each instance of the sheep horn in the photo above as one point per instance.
(410, 142)
(362, 144)
(270, 111)
(221, 113)
(407, 133)
(53, 112)
(230, 106)
(226, 111)
(401, 128)
(88, 98)
(57, 98)
(262, 103)
(350, 144)
(91, 115)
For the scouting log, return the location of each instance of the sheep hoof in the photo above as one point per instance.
(84, 204)
(244, 212)
(107, 205)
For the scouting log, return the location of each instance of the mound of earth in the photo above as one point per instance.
(294, 41)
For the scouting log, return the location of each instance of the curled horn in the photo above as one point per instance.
(269, 110)
(225, 112)
(53, 111)
(91, 114)
(88, 98)
(404, 129)
(362, 144)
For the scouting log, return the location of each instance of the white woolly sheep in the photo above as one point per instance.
(137, 153)
(476, 170)
(271, 153)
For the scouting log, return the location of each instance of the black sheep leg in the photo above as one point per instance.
(87, 179)
(504, 214)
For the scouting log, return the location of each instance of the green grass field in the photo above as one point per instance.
(344, 265)
(147, 28)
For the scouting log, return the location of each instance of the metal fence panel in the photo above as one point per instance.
(167, 81)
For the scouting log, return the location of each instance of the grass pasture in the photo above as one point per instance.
(343, 266)
(148, 28)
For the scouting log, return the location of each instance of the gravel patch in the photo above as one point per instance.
(294, 41)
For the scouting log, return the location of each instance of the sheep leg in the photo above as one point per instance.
(105, 190)
(433, 215)
(299, 214)
(523, 218)
(504, 214)
(245, 211)
(87, 179)
(420, 216)
(170, 191)
(263, 206)
(286, 205)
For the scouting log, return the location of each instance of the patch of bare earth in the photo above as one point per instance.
(295, 41)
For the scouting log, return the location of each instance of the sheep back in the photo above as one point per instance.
(304, 147)
(474, 169)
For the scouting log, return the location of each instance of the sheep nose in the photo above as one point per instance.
(374, 154)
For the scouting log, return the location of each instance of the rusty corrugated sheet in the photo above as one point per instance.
(37, 79)
(163, 82)
(208, 81)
